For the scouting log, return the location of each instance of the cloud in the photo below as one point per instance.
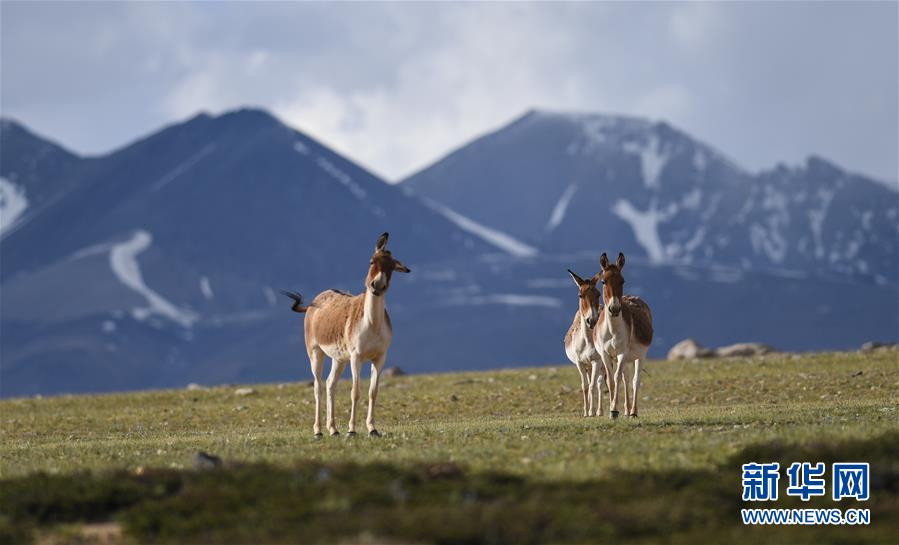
(396, 85)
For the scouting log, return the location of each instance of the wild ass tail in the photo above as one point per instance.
(297, 301)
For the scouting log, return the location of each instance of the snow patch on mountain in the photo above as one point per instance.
(699, 160)
(645, 225)
(13, 204)
(592, 136)
(206, 288)
(270, 296)
(652, 159)
(511, 299)
(816, 219)
(558, 213)
(499, 239)
(123, 262)
(768, 240)
(692, 200)
(341, 177)
(301, 148)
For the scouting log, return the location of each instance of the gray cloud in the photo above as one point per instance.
(396, 85)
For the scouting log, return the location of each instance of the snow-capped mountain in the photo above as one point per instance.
(29, 166)
(158, 264)
(193, 227)
(570, 182)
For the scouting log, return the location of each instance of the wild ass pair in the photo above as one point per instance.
(352, 329)
(619, 332)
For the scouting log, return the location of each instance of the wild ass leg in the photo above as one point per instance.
(596, 380)
(317, 362)
(376, 365)
(337, 368)
(619, 377)
(607, 371)
(636, 386)
(356, 368)
(587, 399)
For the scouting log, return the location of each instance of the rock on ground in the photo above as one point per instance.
(873, 346)
(743, 350)
(689, 349)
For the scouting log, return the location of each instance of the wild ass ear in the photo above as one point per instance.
(604, 261)
(577, 279)
(382, 242)
(596, 278)
(398, 266)
(620, 261)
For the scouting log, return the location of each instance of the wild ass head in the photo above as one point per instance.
(381, 268)
(613, 282)
(589, 299)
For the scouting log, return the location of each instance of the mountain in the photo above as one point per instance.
(157, 265)
(34, 172)
(130, 256)
(571, 182)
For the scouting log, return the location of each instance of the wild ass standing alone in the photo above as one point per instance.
(352, 329)
(579, 344)
(624, 331)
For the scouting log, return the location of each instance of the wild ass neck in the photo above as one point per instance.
(617, 326)
(373, 312)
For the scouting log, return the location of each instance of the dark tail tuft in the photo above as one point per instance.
(297, 301)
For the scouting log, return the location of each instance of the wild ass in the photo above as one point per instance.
(579, 344)
(352, 329)
(624, 332)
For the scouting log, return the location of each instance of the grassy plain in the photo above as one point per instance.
(493, 457)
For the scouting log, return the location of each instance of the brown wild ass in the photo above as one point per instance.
(624, 332)
(579, 344)
(352, 329)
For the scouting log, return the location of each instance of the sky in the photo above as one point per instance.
(395, 86)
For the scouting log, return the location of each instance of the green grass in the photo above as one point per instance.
(520, 451)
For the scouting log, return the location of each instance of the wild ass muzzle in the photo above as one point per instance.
(579, 344)
(350, 329)
(624, 332)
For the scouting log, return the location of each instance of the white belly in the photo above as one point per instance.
(581, 350)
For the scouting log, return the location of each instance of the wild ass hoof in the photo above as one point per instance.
(374, 433)
(613, 414)
(335, 433)
(632, 415)
(350, 434)
(318, 436)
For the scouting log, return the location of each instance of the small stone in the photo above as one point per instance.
(873, 346)
(454, 397)
(532, 377)
(243, 392)
(393, 372)
(203, 460)
(194, 386)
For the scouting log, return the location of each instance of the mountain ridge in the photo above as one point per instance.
(159, 264)
(665, 194)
